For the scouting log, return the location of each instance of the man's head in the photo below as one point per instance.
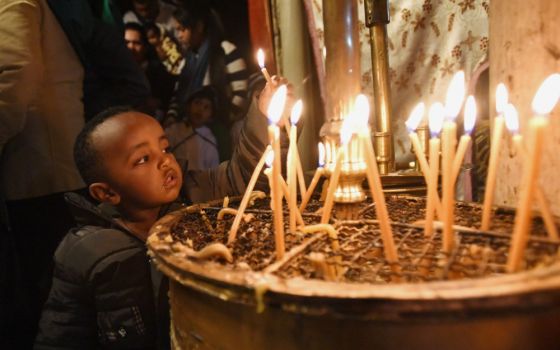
(147, 10)
(201, 106)
(124, 158)
(135, 39)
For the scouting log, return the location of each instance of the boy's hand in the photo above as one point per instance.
(268, 92)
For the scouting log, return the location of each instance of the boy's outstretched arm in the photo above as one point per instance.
(231, 177)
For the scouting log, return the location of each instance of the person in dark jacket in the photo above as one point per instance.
(105, 293)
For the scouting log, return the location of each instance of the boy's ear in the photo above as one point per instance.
(104, 193)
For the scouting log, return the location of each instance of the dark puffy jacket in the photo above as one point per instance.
(102, 294)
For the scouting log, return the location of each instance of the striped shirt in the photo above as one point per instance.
(236, 76)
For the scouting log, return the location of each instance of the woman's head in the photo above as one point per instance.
(196, 23)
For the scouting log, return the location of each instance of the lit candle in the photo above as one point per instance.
(260, 60)
(275, 110)
(512, 124)
(435, 122)
(294, 209)
(345, 136)
(544, 101)
(292, 163)
(269, 159)
(247, 196)
(453, 103)
(468, 121)
(318, 173)
(361, 112)
(412, 123)
(501, 103)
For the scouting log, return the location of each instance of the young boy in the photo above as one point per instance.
(105, 293)
(192, 142)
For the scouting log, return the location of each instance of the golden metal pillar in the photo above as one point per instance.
(377, 18)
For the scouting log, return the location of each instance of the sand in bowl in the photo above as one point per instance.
(359, 257)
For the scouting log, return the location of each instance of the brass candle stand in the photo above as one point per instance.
(377, 18)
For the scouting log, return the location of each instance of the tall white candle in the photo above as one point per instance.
(275, 110)
(345, 136)
(468, 122)
(512, 124)
(544, 101)
(292, 163)
(260, 60)
(361, 112)
(247, 196)
(412, 123)
(435, 123)
(453, 103)
(501, 103)
(318, 173)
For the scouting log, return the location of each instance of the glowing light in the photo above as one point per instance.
(260, 58)
(269, 158)
(415, 117)
(296, 112)
(455, 95)
(501, 98)
(361, 111)
(347, 130)
(512, 118)
(321, 154)
(276, 106)
(470, 114)
(435, 118)
(547, 95)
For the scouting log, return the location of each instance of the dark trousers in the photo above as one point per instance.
(37, 226)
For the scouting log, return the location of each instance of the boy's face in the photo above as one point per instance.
(137, 163)
(153, 37)
(200, 111)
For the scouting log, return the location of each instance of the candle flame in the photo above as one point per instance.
(435, 121)
(321, 154)
(415, 117)
(501, 98)
(455, 95)
(296, 112)
(470, 114)
(260, 58)
(361, 110)
(512, 118)
(347, 129)
(269, 158)
(547, 96)
(276, 106)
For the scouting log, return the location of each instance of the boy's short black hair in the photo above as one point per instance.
(86, 156)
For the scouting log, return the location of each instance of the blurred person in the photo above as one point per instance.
(210, 60)
(41, 113)
(192, 141)
(160, 80)
(166, 48)
(151, 11)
